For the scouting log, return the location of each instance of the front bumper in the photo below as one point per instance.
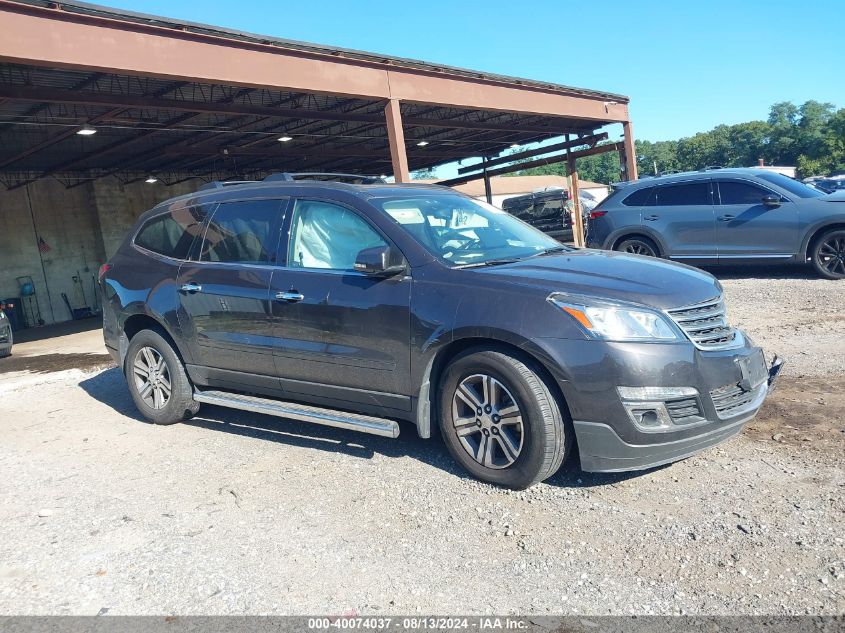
(607, 438)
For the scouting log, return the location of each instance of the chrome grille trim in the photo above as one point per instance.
(706, 325)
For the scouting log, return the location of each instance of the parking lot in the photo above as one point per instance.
(237, 513)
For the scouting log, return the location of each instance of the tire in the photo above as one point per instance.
(149, 348)
(527, 446)
(828, 254)
(638, 246)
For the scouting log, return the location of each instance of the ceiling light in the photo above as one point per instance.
(285, 139)
(86, 130)
(422, 143)
(151, 179)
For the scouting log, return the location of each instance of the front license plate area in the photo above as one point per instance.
(754, 370)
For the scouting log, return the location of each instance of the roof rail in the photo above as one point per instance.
(356, 179)
(711, 167)
(219, 184)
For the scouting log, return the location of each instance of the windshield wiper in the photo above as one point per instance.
(552, 250)
(489, 262)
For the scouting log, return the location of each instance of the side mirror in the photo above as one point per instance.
(771, 201)
(381, 261)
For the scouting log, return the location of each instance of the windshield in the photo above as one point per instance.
(794, 187)
(464, 232)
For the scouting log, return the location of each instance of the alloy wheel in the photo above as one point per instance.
(487, 421)
(152, 378)
(638, 248)
(832, 255)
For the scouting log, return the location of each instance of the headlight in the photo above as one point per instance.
(615, 322)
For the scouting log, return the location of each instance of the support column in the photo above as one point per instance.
(396, 138)
(630, 152)
(488, 190)
(577, 218)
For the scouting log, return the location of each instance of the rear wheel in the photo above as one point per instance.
(638, 246)
(828, 254)
(500, 421)
(157, 379)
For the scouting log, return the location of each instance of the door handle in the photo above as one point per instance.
(651, 218)
(291, 296)
(191, 287)
(726, 218)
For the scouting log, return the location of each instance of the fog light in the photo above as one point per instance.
(648, 416)
(646, 406)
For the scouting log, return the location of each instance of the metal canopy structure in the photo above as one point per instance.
(177, 100)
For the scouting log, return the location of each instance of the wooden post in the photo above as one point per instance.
(577, 219)
(630, 156)
(396, 138)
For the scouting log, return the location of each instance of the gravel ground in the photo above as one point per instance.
(237, 513)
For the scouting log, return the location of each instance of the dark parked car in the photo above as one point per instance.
(544, 210)
(724, 216)
(357, 306)
(6, 338)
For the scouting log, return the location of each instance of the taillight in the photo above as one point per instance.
(103, 270)
(596, 214)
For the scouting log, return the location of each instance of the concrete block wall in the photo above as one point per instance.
(82, 226)
(119, 205)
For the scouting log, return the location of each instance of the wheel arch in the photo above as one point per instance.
(524, 351)
(139, 321)
(641, 233)
(814, 234)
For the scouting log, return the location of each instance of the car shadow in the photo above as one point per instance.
(109, 388)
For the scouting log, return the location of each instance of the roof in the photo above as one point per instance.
(264, 187)
(690, 175)
(85, 8)
(515, 185)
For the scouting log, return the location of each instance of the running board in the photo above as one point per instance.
(302, 412)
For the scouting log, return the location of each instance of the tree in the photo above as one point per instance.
(810, 136)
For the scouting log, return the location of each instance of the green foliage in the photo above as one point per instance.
(810, 137)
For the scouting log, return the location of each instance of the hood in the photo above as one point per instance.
(610, 275)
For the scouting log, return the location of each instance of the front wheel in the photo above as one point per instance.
(500, 420)
(157, 379)
(828, 255)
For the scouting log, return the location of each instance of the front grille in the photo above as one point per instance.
(684, 411)
(705, 324)
(732, 400)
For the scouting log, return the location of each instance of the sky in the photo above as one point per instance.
(686, 66)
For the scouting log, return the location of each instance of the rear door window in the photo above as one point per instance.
(640, 198)
(172, 233)
(686, 194)
(736, 192)
(245, 232)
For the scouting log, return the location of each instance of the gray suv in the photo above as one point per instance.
(724, 216)
(361, 306)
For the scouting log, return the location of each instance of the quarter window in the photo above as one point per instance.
(734, 192)
(173, 233)
(328, 236)
(242, 232)
(640, 198)
(687, 194)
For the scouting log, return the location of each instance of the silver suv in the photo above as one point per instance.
(724, 216)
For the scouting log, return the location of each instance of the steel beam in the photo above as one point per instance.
(550, 160)
(549, 149)
(396, 138)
